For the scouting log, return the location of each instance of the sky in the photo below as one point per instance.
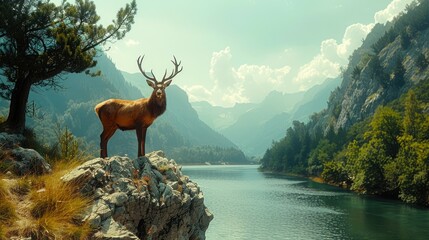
(239, 51)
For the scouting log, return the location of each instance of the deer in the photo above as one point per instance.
(137, 114)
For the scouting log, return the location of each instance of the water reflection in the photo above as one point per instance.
(248, 204)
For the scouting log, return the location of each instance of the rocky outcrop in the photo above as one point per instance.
(18, 160)
(143, 198)
(360, 94)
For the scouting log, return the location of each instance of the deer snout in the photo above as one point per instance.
(159, 93)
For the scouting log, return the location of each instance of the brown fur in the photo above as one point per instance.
(129, 115)
(138, 114)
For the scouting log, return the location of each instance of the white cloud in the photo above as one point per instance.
(198, 93)
(132, 42)
(333, 55)
(352, 39)
(257, 81)
(393, 9)
(316, 71)
(247, 83)
(221, 68)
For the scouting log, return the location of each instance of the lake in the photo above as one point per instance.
(248, 204)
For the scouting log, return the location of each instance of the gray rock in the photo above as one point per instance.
(118, 198)
(359, 97)
(9, 141)
(140, 198)
(28, 161)
(112, 230)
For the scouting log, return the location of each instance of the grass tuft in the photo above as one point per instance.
(7, 210)
(58, 207)
(2, 233)
(22, 187)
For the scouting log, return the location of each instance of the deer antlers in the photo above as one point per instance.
(175, 71)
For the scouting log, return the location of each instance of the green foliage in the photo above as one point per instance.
(421, 61)
(356, 72)
(378, 72)
(68, 145)
(415, 19)
(335, 172)
(385, 126)
(397, 77)
(405, 38)
(210, 154)
(367, 167)
(293, 150)
(387, 38)
(322, 154)
(412, 115)
(413, 162)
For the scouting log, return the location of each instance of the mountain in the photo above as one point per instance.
(255, 129)
(381, 71)
(72, 106)
(315, 99)
(218, 117)
(254, 126)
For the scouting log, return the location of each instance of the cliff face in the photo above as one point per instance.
(144, 198)
(373, 79)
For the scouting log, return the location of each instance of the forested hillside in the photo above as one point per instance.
(374, 135)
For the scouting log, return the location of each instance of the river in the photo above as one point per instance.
(249, 204)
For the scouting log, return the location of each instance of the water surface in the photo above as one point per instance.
(248, 204)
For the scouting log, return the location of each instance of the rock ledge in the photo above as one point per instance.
(144, 198)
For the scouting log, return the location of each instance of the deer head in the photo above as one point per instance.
(159, 87)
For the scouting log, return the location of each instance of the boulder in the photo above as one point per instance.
(8, 141)
(143, 198)
(18, 160)
(28, 161)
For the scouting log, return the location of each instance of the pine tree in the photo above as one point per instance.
(40, 40)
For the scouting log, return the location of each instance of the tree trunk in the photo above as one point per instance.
(15, 122)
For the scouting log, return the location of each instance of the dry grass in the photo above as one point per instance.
(7, 210)
(22, 187)
(57, 206)
(44, 207)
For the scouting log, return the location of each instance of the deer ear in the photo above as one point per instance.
(150, 83)
(167, 83)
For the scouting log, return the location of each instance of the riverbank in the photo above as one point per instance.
(343, 186)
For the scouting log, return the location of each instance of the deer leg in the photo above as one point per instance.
(139, 140)
(104, 139)
(143, 141)
(141, 137)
